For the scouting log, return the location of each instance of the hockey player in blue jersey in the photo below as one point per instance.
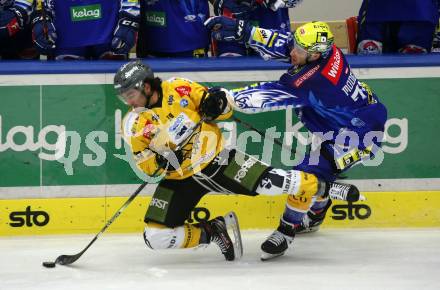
(329, 100)
(269, 14)
(15, 36)
(409, 29)
(87, 29)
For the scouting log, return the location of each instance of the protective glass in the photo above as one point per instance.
(298, 48)
(129, 95)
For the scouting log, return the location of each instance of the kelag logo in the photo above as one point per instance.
(29, 218)
(156, 18)
(89, 12)
(351, 211)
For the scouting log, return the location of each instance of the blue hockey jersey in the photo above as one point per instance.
(400, 10)
(266, 18)
(87, 22)
(326, 95)
(175, 25)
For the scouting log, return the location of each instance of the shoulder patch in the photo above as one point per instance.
(333, 69)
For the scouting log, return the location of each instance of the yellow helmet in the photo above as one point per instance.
(314, 36)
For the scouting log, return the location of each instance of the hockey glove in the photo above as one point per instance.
(228, 29)
(213, 103)
(125, 35)
(12, 20)
(44, 34)
(173, 158)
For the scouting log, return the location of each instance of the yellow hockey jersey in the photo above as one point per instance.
(173, 124)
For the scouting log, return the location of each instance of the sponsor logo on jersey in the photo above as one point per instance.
(148, 129)
(156, 18)
(244, 169)
(82, 13)
(183, 90)
(261, 35)
(184, 103)
(306, 76)
(170, 100)
(159, 203)
(177, 123)
(333, 69)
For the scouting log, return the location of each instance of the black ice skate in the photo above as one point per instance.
(232, 249)
(312, 220)
(342, 191)
(278, 242)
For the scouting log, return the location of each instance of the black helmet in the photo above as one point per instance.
(131, 75)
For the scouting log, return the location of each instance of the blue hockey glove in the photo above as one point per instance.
(125, 35)
(44, 34)
(228, 29)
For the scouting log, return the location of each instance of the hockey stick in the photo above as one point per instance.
(69, 259)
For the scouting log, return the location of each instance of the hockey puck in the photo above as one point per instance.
(49, 264)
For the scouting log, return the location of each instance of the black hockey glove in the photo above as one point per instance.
(174, 158)
(44, 34)
(125, 34)
(228, 29)
(213, 103)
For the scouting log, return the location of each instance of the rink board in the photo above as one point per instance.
(88, 215)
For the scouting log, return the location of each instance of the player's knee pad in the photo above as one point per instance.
(159, 237)
(369, 46)
(412, 49)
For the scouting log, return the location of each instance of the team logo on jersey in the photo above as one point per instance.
(333, 69)
(88, 12)
(190, 18)
(184, 103)
(183, 90)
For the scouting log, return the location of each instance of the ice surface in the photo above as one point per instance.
(329, 259)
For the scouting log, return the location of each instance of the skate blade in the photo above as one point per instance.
(267, 256)
(231, 221)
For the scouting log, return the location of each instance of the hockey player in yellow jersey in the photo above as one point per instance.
(171, 131)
